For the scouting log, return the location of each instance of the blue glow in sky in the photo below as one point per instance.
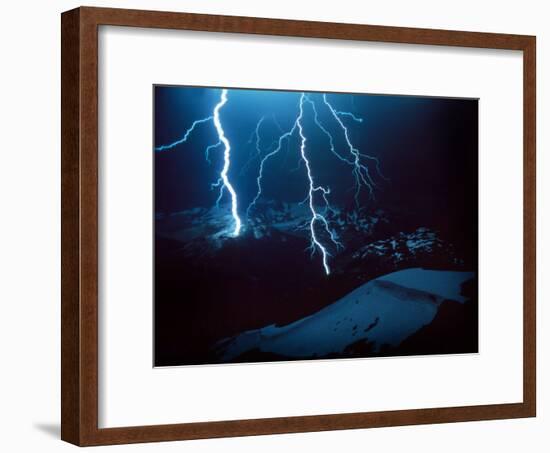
(318, 195)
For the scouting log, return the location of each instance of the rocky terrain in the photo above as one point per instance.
(262, 296)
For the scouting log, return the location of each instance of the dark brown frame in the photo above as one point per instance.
(79, 282)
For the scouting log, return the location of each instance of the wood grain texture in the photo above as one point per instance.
(79, 313)
(70, 227)
(529, 227)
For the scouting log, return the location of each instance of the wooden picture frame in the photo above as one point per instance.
(79, 314)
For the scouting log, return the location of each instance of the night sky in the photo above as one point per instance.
(427, 148)
(427, 152)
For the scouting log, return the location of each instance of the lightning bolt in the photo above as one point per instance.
(227, 162)
(268, 156)
(257, 135)
(186, 136)
(223, 181)
(323, 237)
(351, 115)
(256, 138)
(354, 158)
(210, 148)
(315, 216)
(360, 171)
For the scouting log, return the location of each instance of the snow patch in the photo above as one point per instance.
(383, 311)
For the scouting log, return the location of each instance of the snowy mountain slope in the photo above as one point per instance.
(365, 237)
(381, 312)
(216, 223)
(405, 245)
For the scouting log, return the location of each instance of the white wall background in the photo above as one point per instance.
(30, 227)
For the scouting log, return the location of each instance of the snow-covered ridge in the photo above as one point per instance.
(212, 227)
(384, 311)
(405, 245)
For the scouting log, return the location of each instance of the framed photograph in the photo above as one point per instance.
(274, 226)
